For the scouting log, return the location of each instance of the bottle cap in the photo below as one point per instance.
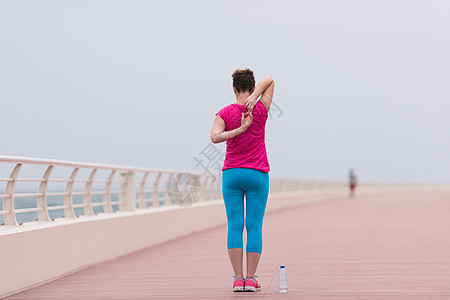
(282, 267)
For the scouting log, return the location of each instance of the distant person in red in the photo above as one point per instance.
(352, 182)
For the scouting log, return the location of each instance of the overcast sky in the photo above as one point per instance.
(362, 84)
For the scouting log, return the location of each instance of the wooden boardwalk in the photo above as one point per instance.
(386, 245)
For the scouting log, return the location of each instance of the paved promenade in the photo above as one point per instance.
(386, 245)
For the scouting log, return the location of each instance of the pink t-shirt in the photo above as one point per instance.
(247, 150)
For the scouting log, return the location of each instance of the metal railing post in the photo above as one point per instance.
(155, 190)
(8, 200)
(42, 197)
(68, 197)
(127, 191)
(107, 206)
(142, 191)
(166, 191)
(87, 198)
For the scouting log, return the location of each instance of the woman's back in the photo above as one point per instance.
(247, 150)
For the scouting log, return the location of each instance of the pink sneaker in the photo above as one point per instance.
(238, 285)
(251, 285)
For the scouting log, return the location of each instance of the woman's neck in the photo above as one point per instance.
(241, 97)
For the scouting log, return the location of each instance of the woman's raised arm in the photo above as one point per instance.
(265, 90)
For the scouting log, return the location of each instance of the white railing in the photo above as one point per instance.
(94, 188)
(134, 188)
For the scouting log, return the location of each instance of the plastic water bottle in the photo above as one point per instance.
(282, 280)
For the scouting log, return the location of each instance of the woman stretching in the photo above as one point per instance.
(245, 171)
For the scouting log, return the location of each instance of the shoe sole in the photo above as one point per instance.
(238, 289)
(252, 289)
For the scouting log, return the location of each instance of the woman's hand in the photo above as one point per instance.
(218, 133)
(246, 121)
(250, 102)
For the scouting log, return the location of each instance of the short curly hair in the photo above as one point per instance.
(243, 80)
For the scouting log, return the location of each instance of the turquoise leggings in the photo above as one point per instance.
(254, 184)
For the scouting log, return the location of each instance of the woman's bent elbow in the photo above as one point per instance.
(215, 140)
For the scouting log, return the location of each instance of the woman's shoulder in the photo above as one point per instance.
(229, 106)
(225, 112)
